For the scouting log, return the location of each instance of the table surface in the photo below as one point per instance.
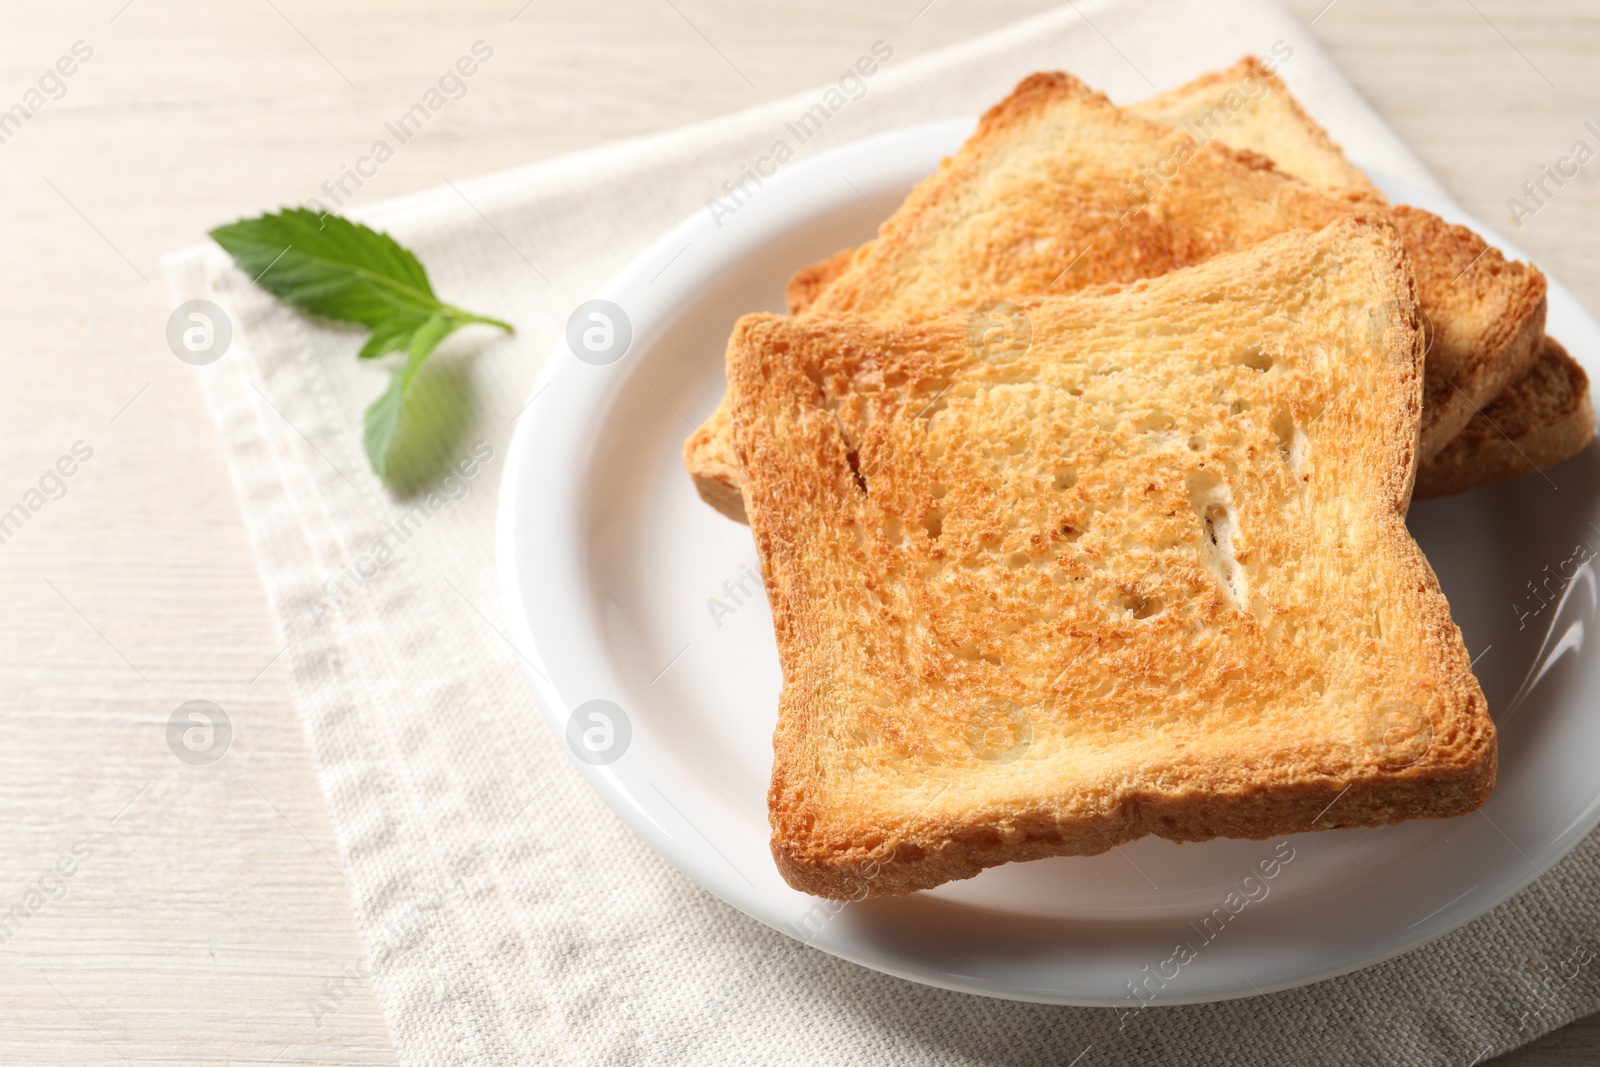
(207, 918)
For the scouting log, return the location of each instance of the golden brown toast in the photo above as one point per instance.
(1539, 420)
(1247, 106)
(1147, 573)
(1488, 313)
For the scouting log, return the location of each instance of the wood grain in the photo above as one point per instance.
(210, 921)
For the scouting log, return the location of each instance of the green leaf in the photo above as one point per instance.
(392, 336)
(383, 416)
(330, 266)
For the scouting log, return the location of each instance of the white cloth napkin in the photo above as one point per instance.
(508, 915)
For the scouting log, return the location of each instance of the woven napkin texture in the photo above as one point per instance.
(508, 915)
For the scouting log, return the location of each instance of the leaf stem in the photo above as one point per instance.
(467, 316)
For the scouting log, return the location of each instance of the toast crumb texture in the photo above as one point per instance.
(1147, 573)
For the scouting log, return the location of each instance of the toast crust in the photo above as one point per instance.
(1097, 214)
(710, 463)
(1485, 319)
(1539, 420)
(913, 574)
(807, 283)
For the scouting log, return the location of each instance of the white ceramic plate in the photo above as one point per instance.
(610, 564)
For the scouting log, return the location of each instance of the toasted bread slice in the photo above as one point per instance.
(1246, 106)
(1539, 420)
(1058, 189)
(1147, 575)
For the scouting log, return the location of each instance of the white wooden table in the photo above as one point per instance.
(205, 916)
